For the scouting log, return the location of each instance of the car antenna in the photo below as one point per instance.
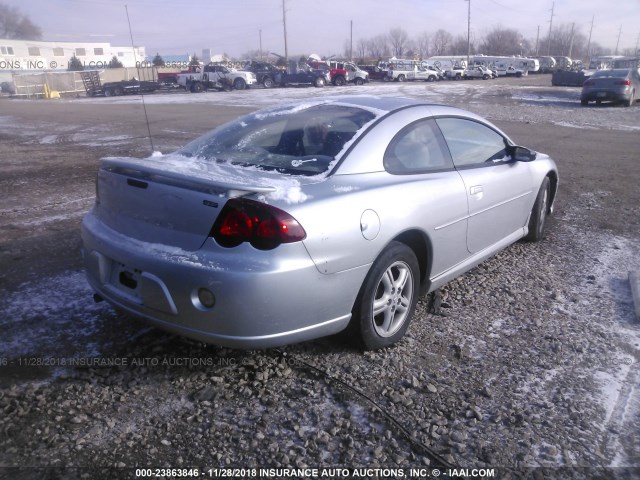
(135, 59)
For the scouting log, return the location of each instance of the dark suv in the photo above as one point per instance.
(266, 73)
(303, 74)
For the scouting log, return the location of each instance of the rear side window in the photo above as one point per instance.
(418, 148)
(471, 143)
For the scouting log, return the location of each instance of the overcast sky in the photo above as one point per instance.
(314, 26)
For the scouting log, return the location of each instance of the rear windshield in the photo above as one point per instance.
(298, 141)
(618, 73)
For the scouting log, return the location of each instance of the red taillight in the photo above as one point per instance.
(623, 82)
(263, 226)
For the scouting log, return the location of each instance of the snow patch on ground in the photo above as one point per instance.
(42, 318)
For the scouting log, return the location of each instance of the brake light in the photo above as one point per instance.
(263, 226)
(623, 82)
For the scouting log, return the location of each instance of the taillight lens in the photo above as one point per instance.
(263, 226)
(623, 82)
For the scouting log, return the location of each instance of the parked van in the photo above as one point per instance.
(547, 64)
(524, 63)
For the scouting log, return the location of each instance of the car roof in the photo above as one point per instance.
(617, 72)
(380, 105)
(391, 104)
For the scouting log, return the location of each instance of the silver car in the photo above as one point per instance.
(617, 85)
(295, 222)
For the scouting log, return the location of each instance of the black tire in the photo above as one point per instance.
(267, 82)
(239, 84)
(339, 81)
(117, 91)
(631, 101)
(196, 87)
(391, 286)
(539, 213)
(401, 78)
(318, 82)
(358, 81)
(431, 78)
(486, 77)
(108, 92)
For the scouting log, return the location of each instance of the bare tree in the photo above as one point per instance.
(597, 49)
(16, 25)
(423, 43)
(502, 41)
(398, 39)
(441, 42)
(564, 38)
(361, 49)
(378, 46)
(459, 46)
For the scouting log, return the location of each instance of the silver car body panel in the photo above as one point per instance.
(148, 250)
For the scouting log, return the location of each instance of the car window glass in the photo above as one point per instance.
(472, 143)
(301, 142)
(416, 149)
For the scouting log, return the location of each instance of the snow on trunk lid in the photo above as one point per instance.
(156, 203)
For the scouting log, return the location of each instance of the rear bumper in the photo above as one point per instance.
(262, 299)
(606, 96)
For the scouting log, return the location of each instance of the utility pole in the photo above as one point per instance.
(284, 23)
(351, 42)
(618, 42)
(638, 43)
(537, 40)
(468, 32)
(260, 35)
(589, 42)
(573, 25)
(553, 4)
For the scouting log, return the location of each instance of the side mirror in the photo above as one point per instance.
(521, 154)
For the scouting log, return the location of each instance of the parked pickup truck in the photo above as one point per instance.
(217, 77)
(503, 70)
(399, 70)
(376, 72)
(347, 72)
(426, 73)
(479, 71)
(454, 73)
(266, 73)
(303, 74)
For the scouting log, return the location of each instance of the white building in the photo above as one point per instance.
(36, 55)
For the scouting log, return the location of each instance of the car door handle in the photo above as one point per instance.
(476, 189)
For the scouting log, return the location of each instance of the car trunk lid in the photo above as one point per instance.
(606, 83)
(169, 203)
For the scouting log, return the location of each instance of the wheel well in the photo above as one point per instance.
(553, 178)
(421, 246)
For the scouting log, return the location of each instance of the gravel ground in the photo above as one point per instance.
(529, 360)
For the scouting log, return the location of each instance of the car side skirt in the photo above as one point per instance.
(474, 260)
